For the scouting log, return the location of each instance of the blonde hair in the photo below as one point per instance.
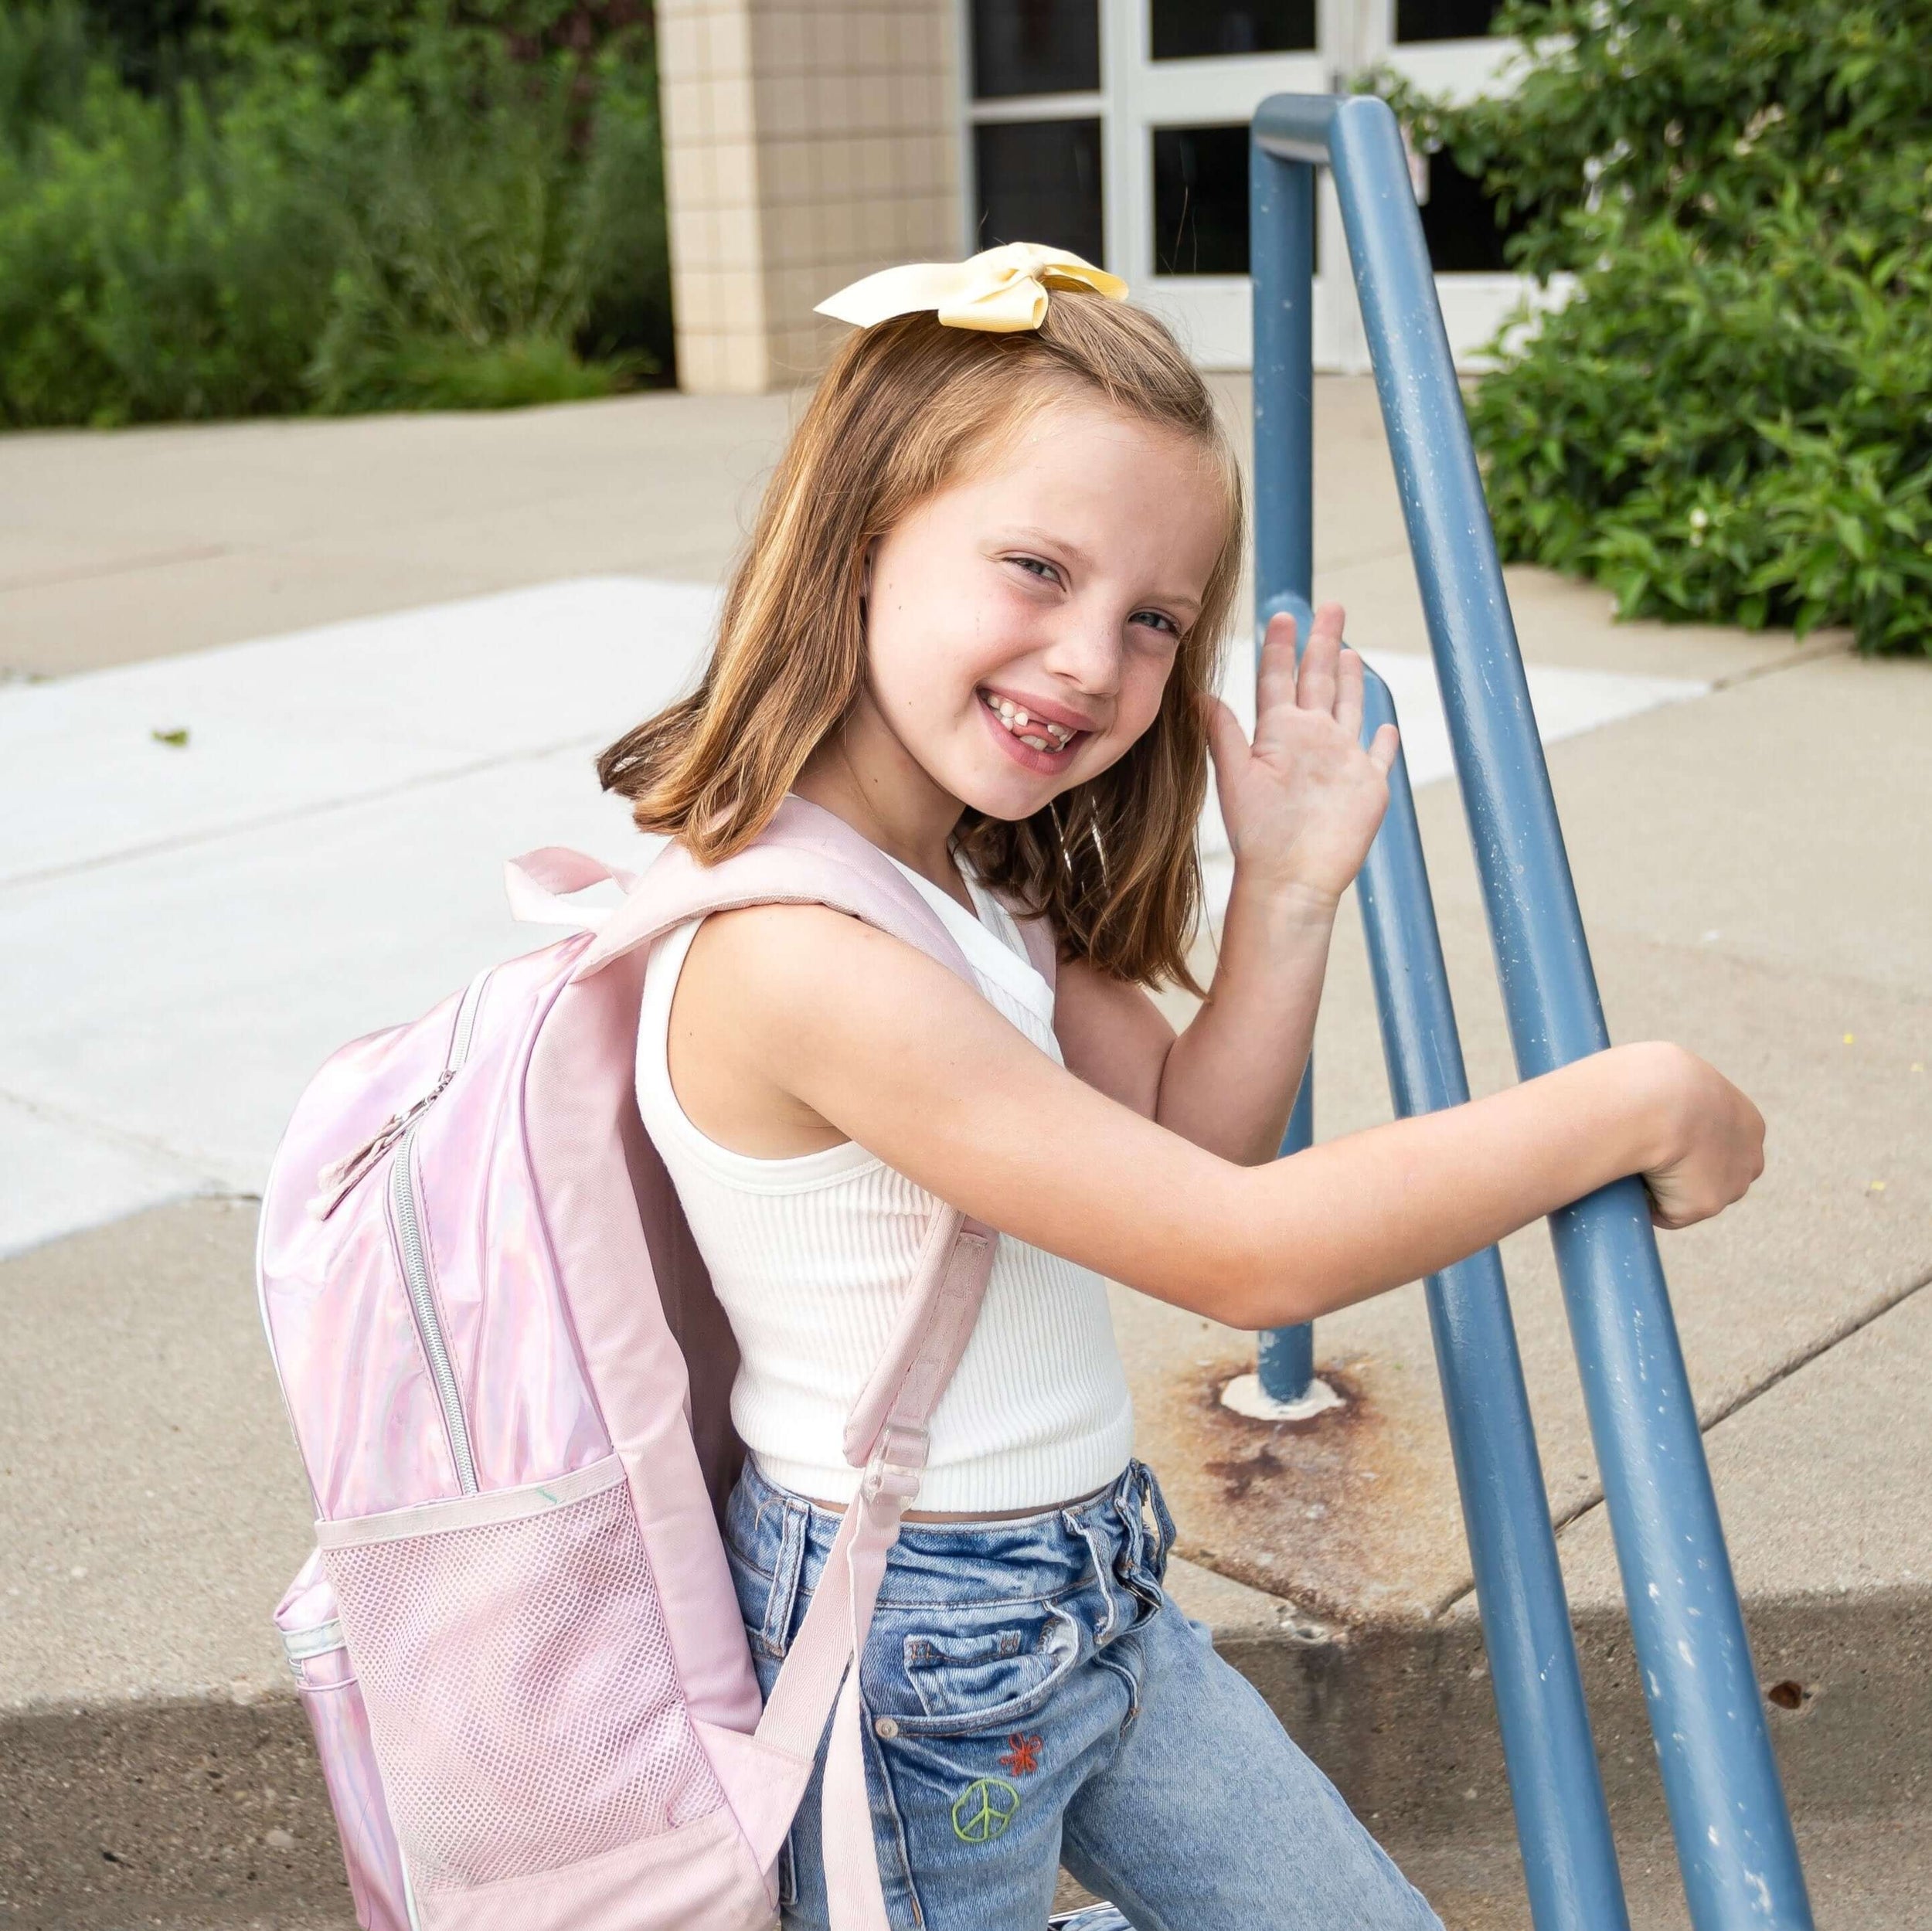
(903, 412)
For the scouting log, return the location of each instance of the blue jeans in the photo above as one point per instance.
(1032, 1698)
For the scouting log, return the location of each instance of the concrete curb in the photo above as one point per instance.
(170, 1814)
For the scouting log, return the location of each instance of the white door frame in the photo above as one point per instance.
(1211, 313)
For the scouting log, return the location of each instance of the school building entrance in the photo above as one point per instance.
(810, 141)
(1119, 129)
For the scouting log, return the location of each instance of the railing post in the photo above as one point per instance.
(1281, 269)
(1570, 1859)
(1734, 1842)
(1281, 266)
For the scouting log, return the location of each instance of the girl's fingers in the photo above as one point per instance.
(1383, 747)
(1315, 687)
(1348, 692)
(1274, 677)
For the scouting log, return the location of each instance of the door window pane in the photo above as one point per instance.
(1444, 19)
(1459, 222)
(1201, 200)
(1188, 29)
(1035, 46)
(1040, 181)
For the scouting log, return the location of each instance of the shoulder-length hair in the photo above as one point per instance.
(905, 409)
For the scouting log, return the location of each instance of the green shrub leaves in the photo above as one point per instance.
(1729, 418)
(471, 221)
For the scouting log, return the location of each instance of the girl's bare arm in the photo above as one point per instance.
(799, 1015)
(1300, 805)
(1228, 1081)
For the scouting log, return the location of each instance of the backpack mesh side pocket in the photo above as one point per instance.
(519, 1681)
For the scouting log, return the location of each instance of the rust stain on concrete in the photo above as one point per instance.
(1343, 1513)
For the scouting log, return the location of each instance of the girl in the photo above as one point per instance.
(980, 620)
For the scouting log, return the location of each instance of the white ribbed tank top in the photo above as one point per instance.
(809, 1257)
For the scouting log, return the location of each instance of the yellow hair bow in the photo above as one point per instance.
(1001, 291)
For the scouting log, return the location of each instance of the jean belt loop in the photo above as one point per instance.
(1163, 1522)
(1130, 1498)
(787, 1569)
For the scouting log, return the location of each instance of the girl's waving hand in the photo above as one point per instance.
(1303, 802)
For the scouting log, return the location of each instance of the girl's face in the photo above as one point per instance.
(1022, 623)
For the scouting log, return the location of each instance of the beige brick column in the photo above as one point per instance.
(807, 142)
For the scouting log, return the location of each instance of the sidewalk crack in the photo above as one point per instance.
(127, 1139)
(119, 566)
(1843, 1332)
(1808, 650)
(1709, 1419)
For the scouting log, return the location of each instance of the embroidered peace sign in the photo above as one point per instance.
(984, 1809)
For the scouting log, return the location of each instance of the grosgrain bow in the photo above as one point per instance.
(1002, 290)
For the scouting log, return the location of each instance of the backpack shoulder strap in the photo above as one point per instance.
(886, 1432)
(805, 855)
(808, 855)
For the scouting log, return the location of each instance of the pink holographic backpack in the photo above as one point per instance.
(518, 1640)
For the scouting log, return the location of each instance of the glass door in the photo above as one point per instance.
(1184, 78)
(1034, 164)
(1118, 128)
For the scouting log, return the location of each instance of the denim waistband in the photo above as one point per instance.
(788, 1537)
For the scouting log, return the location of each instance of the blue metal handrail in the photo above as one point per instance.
(1733, 1835)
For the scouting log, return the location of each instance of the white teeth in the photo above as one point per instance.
(1056, 737)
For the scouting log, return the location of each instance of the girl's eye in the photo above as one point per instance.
(1161, 621)
(1034, 564)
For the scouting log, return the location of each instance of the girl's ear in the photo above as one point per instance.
(865, 574)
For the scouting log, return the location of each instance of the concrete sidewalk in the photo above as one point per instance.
(323, 821)
(1748, 849)
(120, 545)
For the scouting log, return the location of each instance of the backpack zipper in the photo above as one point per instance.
(409, 1235)
(429, 1323)
(339, 1179)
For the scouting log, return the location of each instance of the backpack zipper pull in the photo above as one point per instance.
(340, 1178)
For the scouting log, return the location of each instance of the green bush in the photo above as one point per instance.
(471, 221)
(350, 37)
(1730, 416)
(45, 58)
(485, 225)
(155, 264)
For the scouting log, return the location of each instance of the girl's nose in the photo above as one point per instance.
(1085, 650)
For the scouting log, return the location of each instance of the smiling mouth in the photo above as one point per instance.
(1037, 733)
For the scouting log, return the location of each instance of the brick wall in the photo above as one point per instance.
(807, 142)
